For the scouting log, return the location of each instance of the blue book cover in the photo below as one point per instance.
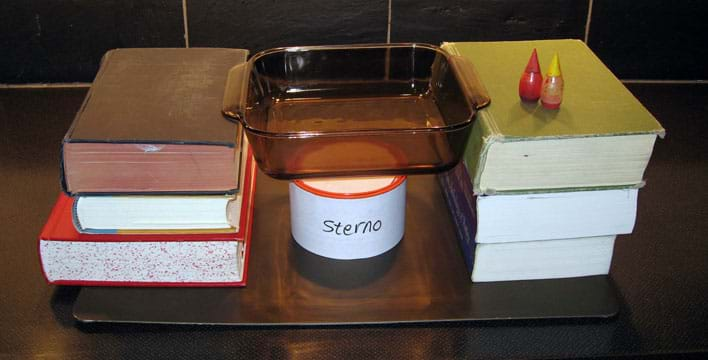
(457, 190)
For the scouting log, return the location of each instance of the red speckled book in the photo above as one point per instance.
(68, 257)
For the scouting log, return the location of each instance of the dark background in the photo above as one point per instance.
(58, 41)
(660, 270)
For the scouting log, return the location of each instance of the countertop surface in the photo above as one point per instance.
(660, 271)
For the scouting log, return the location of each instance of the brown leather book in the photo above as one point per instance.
(152, 123)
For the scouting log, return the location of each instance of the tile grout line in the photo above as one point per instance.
(666, 82)
(184, 20)
(388, 25)
(587, 21)
(45, 86)
(87, 85)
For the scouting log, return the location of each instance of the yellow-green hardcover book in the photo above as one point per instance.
(601, 136)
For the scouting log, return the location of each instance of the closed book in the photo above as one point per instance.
(151, 123)
(68, 257)
(136, 214)
(542, 259)
(548, 243)
(537, 215)
(600, 136)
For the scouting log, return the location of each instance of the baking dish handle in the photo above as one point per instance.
(473, 88)
(235, 92)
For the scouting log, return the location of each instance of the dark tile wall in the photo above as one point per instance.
(654, 39)
(63, 41)
(259, 25)
(455, 20)
(46, 41)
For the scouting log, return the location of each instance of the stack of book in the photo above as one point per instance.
(158, 186)
(543, 194)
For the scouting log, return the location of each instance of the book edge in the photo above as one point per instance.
(243, 258)
(599, 238)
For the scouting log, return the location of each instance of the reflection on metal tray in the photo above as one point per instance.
(355, 109)
(422, 279)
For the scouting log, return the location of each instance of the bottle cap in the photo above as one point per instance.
(532, 66)
(554, 68)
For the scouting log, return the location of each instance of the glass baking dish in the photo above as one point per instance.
(354, 109)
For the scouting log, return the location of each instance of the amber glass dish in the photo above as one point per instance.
(354, 110)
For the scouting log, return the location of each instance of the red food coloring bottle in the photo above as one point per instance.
(531, 80)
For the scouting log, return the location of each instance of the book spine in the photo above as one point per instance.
(247, 224)
(67, 136)
(457, 191)
(484, 132)
(75, 216)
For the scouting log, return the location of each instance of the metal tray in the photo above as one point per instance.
(423, 279)
(355, 109)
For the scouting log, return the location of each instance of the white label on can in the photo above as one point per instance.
(348, 228)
